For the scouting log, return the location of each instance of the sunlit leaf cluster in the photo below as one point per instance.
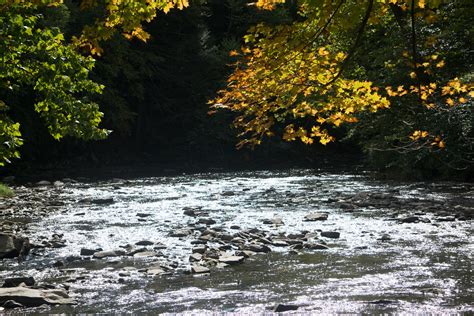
(292, 80)
(124, 16)
(38, 58)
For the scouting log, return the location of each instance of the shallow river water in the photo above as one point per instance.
(381, 262)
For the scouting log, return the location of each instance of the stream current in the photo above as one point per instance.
(381, 263)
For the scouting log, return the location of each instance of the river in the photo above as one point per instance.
(401, 247)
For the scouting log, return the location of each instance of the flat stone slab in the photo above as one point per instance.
(231, 259)
(34, 297)
(316, 246)
(154, 271)
(108, 254)
(145, 254)
(199, 269)
(144, 243)
(317, 216)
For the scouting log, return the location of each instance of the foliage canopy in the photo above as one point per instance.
(37, 56)
(300, 80)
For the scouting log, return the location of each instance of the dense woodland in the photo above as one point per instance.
(389, 81)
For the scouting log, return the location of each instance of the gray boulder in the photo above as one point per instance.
(330, 234)
(12, 246)
(34, 297)
(13, 282)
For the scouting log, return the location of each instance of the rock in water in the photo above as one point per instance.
(102, 201)
(43, 183)
(318, 216)
(181, 233)
(58, 184)
(107, 254)
(34, 297)
(87, 252)
(144, 243)
(277, 221)
(284, 308)
(199, 269)
(410, 219)
(330, 234)
(14, 282)
(12, 246)
(316, 246)
(195, 257)
(206, 221)
(231, 259)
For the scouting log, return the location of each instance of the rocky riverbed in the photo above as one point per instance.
(297, 240)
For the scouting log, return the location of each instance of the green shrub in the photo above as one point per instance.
(5, 191)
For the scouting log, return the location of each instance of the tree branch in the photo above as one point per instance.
(353, 49)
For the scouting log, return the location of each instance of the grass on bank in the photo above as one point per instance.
(5, 191)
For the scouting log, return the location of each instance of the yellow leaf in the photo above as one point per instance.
(322, 51)
(440, 64)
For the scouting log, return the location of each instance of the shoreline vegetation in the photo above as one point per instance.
(5, 191)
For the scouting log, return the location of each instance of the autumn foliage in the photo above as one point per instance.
(293, 80)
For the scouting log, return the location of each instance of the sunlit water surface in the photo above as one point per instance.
(423, 268)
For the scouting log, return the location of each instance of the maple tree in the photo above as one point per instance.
(293, 80)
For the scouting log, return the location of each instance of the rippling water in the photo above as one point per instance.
(424, 267)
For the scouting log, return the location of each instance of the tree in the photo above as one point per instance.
(35, 55)
(300, 80)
